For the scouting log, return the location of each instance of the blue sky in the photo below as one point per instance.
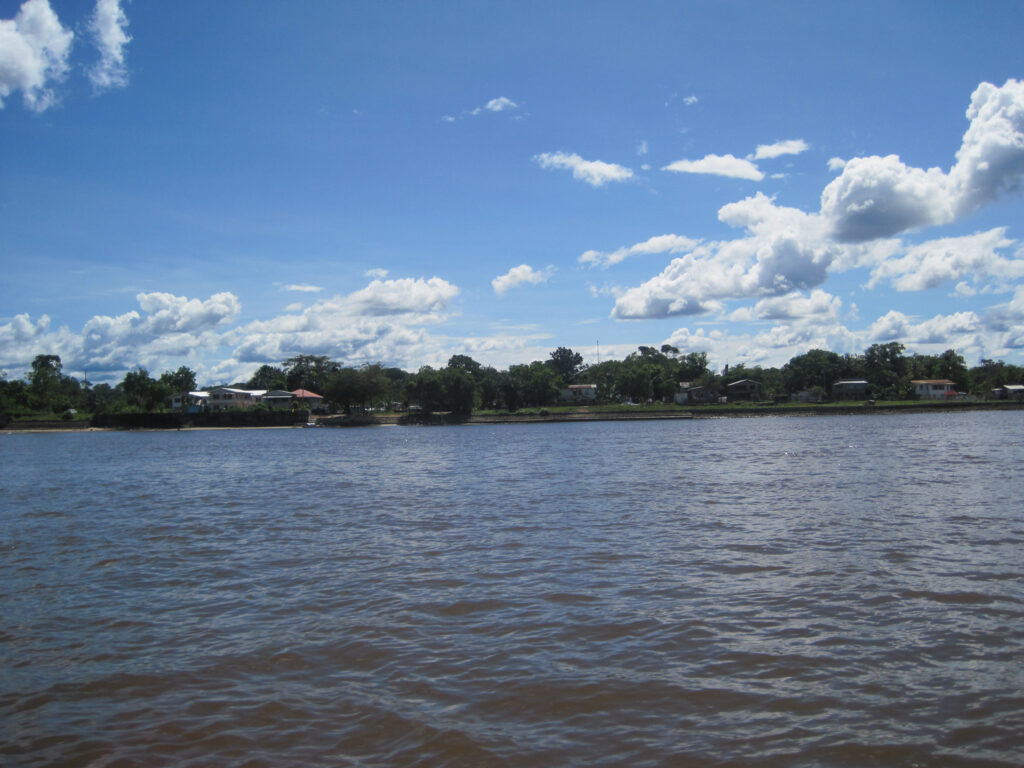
(227, 184)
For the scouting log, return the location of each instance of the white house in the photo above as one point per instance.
(227, 398)
(933, 389)
(578, 393)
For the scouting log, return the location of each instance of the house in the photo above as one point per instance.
(744, 389)
(849, 389)
(309, 400)
(1009, 392)
(578, 393)
(933, 389)
(688, 394)
(190, 402)
(229, 398)
(278, 399)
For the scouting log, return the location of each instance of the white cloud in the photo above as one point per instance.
(34, 50)
(958, 330)
(779, 148)
(381, 322)
(642, 148)
(499, 104)
(881, 196)
(523, 274)
(657, 244)
(294, 307)
(690, 101)
(718, 165)
(405, 296)
(836, 163)
(796, 306)
(932, 263)
(785, 250)
(168, 327)
(593, 172)
(303, 288)
(376, 273)
(108, 25)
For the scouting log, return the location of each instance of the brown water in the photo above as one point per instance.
(842, 591)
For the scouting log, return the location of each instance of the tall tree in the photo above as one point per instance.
(268, 377)
(179, 381)
(44, 383)
(566, 364)
(309, 372)
(886, 370)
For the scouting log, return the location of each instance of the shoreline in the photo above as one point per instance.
(581, 415)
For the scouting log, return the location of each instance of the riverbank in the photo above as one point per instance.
(164, 421)
(650, 413)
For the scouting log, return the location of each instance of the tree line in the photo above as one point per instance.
(464, 385)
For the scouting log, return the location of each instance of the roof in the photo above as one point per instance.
(744, 381)
(306, 393)
(583, 386)
(1014, 387)
(931, 381)
(849, 381)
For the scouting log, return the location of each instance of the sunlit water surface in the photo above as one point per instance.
(841, 591)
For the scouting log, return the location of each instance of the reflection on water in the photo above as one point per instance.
(807, 591)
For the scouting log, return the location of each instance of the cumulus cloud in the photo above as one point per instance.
(881, 196)
(718, 165)
(785, 250)
(108, 26)
(836, 163)
(690, 101)
(499, 104)
(382, 322)
(657, 244)
(594, 172)
(167, 326)
(405, 296)
(779, 148)
(377, 273)
(957, 330)
(521, 275)
(34, 51)
(932, 263)
(818, 304)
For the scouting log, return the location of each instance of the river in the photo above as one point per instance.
(804, 591)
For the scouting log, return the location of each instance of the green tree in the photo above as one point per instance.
(309, 372)
(567, 364)
(692, 366)
(268, 377)
(459, 390)
(44, 384)
(344, 388)
(815, 368)
(467, 364)
(426, 389)
(885, 368)
(179, 381)
(142, 391)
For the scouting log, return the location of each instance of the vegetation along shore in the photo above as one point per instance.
(651, 383)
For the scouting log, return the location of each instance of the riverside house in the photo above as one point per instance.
(849, 389)
(578, 393)
(744, 389)
(933, 389)
(232, 398)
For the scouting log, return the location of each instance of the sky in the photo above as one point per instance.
(228, 184)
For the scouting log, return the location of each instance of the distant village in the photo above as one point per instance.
(315, 383)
